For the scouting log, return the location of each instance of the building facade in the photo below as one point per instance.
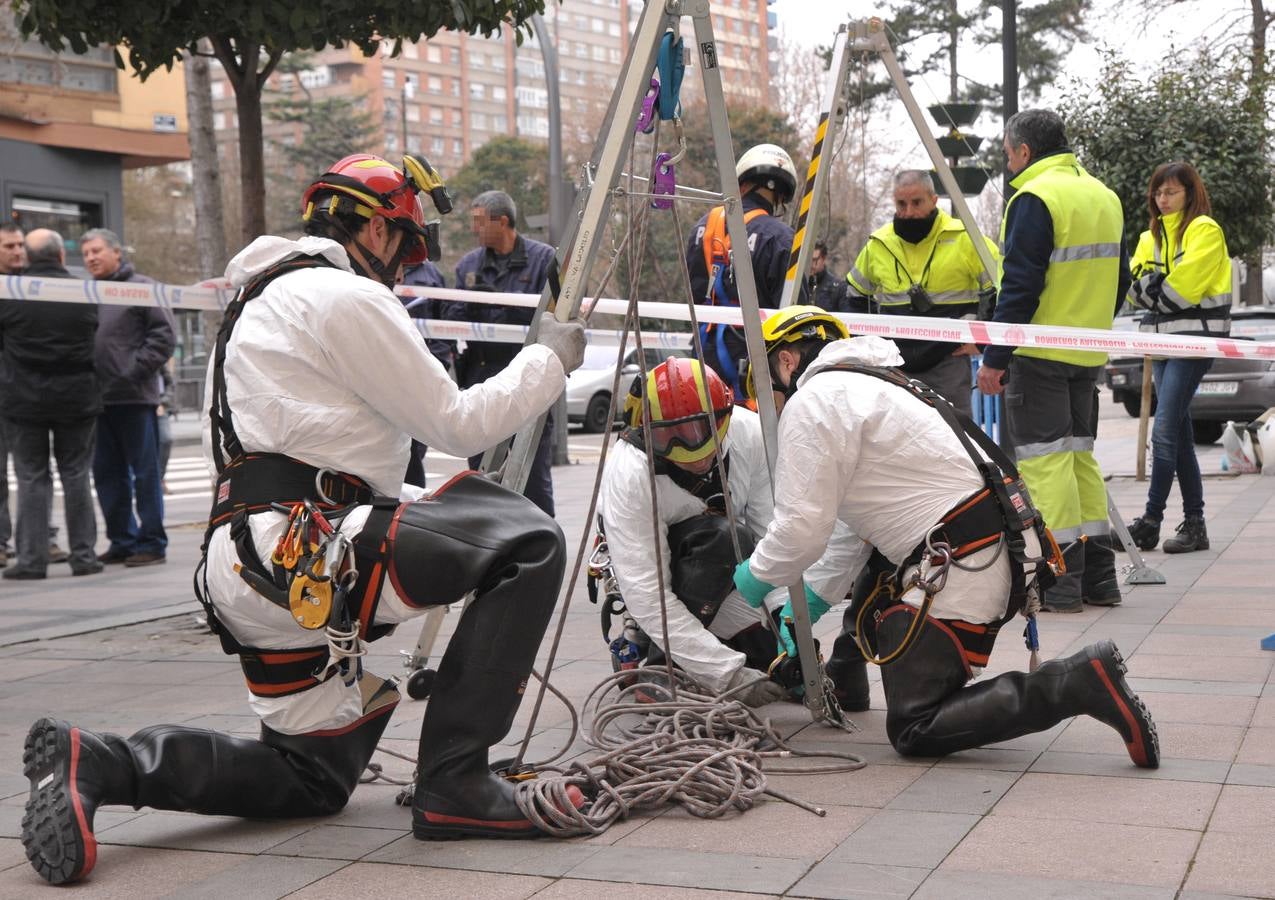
(446, 97)
(70, 125)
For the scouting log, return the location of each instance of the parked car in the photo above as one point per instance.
(1234, 389)
(589, 387)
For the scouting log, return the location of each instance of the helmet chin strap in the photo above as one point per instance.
(803, 363)
(384, 272)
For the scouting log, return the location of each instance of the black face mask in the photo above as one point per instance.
(915, 230)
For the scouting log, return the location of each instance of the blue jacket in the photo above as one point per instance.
(1029, 242)
(524, 271)
(769, 240)
(427, 275)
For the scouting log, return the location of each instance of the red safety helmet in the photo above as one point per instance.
(369, 186)
(683, 428)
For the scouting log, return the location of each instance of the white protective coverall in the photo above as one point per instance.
(625, 505)
(340, 378)
(856, 449)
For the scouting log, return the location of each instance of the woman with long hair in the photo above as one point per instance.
(1182, 278)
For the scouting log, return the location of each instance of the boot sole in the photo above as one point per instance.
(55, 832)
(452, 828)
(1203, 545)
(1144, 748)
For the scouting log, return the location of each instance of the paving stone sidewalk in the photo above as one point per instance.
(1059, 814)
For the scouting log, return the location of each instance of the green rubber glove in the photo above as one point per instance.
(817, 608)
(751, 588)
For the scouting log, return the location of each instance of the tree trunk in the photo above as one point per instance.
(210, 233)
(1252, 294)
(252, 168)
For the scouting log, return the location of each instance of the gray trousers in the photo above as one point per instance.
(951, 379)
(72, 445)
(6, 524)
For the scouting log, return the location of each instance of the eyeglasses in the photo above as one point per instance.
(1168, 192)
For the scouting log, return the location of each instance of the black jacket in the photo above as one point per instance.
(46, 357)
(769, 239)
(829, 291)
(133, 342)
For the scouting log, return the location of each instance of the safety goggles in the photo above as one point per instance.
(693, 435)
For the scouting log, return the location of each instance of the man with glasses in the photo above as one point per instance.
(713, 499)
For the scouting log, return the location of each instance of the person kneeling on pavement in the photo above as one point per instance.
(316, 546)
(700, 439)
(862, 445)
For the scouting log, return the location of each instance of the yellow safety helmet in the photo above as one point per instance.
(796, 323)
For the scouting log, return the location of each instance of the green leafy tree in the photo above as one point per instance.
(927, 34)
(1194, 109)
(250, 37)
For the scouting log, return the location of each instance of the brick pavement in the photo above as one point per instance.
(1059, 814)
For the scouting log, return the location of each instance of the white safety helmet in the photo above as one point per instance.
(769, 166)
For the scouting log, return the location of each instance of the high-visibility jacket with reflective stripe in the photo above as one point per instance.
(945, 264)
(1196, 291)
(1083, 275)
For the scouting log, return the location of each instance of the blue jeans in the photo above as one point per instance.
(126, 469)
(1172, 440)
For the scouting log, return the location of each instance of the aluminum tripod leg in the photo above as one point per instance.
(1141, 572)
(746, 287)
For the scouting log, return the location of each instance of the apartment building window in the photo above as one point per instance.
(613, 29)
(478, 60)
(478, 120)
(413, 112)
(498, 93)
(387, 78)
(435, 116)
(391, 141)
(434, 84)
(458, 147)
(433, 54)
(411, 81)
(500, 123)
(436, 145)
(453, 55)
(218, 90)
(219, 121)
(410, 51)
(477, 91)
(455, 87)
(599, 25)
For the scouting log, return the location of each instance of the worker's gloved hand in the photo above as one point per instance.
(565, 339)
(751, 588)
(760, 691)
(817, 608)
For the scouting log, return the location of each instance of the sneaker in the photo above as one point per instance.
(111, 557)
(1190, 536)
(1144, 531)
(145, 559)
(57, 554)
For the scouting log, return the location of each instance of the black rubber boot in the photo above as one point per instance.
(930, 711)
(1190, 536)
(848, 671)
(72, 772)
(1145, 532)
(1066, 594)
(1100, 585)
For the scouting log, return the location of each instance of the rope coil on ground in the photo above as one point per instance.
(703, 752)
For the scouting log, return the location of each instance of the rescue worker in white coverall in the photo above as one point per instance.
(318, 384)
(882, 458)
(715, 637)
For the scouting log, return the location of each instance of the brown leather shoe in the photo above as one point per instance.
(145, 559)
(111, 557)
